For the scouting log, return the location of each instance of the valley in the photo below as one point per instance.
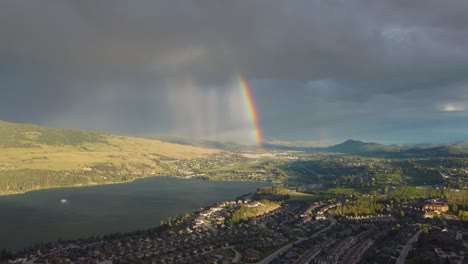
(298, 203)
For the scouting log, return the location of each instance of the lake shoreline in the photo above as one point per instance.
(47, 215)
(4, 194)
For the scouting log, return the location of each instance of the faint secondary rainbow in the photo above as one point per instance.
(250, 105)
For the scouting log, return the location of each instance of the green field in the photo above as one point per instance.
(413, 192)
(415, 174)
(349, 190)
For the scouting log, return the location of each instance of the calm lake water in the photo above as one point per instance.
(45, 216)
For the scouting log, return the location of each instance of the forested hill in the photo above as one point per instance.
(35, 157)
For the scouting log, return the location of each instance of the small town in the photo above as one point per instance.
(302, 232)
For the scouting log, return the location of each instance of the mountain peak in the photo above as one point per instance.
(352, 141)
(356, 146)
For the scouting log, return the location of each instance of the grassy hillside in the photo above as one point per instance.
(25, 136)
(35, 157)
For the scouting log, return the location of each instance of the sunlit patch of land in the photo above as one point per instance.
(34, 157)
(118, 151)
(278, 193)
(303, 197)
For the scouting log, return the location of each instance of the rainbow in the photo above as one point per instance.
(251, 109)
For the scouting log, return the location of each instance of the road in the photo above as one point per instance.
(312, 171)
(280, 251)
(409, 245)
(238, 255)
(402, 184)
(210, 227)
(307, 256)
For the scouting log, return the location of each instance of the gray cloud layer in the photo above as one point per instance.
(383, 70)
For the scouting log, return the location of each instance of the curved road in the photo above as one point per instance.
(238, 255)
(404, 252)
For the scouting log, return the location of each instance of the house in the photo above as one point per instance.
(251, 255)
(320, 217)
(438, 207)
(428, 215)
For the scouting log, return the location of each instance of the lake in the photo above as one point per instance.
(71, 213)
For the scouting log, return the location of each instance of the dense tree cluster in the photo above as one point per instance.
(14, 181)
(463, 215)
(271, 190)
(245, 212)
(416, 174)
(458, 202)
(30, 179)
(360, 206)
(272, 193)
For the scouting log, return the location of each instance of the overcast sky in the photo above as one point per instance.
(388, 71)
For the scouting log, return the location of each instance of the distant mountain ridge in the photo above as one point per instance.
(14, 135)
(351, 146)
(356, 146)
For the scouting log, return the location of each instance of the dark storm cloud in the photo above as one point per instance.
(166, 66)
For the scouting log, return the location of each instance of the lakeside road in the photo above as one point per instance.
(404, 252)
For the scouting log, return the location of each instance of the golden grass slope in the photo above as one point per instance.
(118, 151)
(28, 152)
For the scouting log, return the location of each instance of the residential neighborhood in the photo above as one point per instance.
(305, 232)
